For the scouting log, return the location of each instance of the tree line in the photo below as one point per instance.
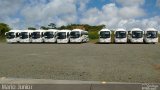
(71, 27)
(93, 30)
(4, 28)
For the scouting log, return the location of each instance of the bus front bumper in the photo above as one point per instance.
(104, 40)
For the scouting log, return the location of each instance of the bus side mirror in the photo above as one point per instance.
(42, 35)
(6, 33)
(17, 34)
(30, 34)
(68, 35)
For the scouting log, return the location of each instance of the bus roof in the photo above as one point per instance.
(39, 30)
(120, 29)
(136, 29)
(52, 30)
(65, 30)
(105, 29)
(151, 29)
(79, 30)
(15, 30)
(27, 30)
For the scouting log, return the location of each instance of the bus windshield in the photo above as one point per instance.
(121, 34)
(75, 34)
(137, 34)
(36, 35)
(48, 34)
(23, 35)
(61, 35)
(104, 34)
(151, 34)
(10, 35)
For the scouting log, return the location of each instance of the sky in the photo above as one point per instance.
(127, 14)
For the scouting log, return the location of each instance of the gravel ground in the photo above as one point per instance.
(88, 62)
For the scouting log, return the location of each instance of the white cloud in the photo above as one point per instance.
(130, 2)
(131, 12)
(57, 11)
(22, 14)
(9, 7)
(110, 10)
(82, 5)
(143, 23)
(8, 11)
(120, 17)
(111, 15)
(14, 23)
(91, 16)
(53, 10)
(41, 12)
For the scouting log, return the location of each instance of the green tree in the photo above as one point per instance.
(31, 28)
(4, 28)
(52, 25)
(62, 27)
(44, 28)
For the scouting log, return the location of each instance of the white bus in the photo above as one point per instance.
(37, 36)
(26, 36)
(136, 35)
(105, 36)
(151, 35)
(63, 36)
(50, 36)
(13, 36)
(120, 36)
(79, 36)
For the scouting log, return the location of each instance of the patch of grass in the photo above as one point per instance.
(93, 40)
(2, 39)
(112, 37)
(93, 34)
(158, 37)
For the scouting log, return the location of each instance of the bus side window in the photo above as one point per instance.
(82, 33)
(86, 33)
(31, 34)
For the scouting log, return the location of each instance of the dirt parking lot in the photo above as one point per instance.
(93, 62)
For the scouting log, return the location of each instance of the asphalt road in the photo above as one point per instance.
(88, 62)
